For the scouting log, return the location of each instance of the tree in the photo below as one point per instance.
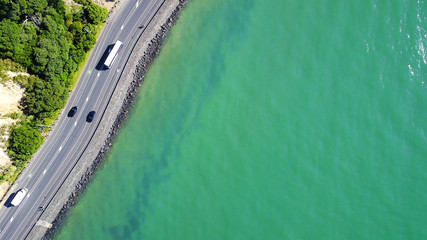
(94, 13)
(17, 42)
(28, 38)
(9, 38)
(4, 8)
(24, 142)
(39, 6)
(50, 56)
(43, 98)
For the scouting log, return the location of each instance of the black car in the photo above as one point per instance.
(90, 116)
(72, 111)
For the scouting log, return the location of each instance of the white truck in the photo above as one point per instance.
(19, 197)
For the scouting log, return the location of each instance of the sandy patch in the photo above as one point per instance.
(10, 95)
(103, 3)
(4, 159)
(14, 74)
(107, 4)
(71, 2)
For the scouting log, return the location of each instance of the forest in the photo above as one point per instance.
(50, 40)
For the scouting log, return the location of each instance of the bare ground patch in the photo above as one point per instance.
(11, 94)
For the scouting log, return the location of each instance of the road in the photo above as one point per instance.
(69, 138)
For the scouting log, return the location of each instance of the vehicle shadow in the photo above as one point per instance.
(100, 66)
(7, 203)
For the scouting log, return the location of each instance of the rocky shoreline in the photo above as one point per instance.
(153, 49)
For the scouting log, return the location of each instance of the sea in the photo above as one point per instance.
(273, 119)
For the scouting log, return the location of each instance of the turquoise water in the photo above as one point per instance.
(273, 120)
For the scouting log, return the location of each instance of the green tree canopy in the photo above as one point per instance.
(9, 38)
(94, 13)
(24, 142)
(44, 98)
(17, 42)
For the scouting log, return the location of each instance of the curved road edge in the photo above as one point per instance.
(143, 54)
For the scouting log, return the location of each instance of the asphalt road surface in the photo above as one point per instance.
(69, 138)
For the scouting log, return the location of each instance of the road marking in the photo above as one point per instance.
(60, 148)
(44, 172)
(99, 74)
(137, 3)
(87, 99)
(118, 70)
(11, 219)
(75, 123)
(89, 72)
(121, 28)
(28, 195)
(30, 175)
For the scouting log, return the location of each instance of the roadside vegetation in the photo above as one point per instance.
(48, 40)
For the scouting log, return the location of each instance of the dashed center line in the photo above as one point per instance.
(44, 172)
(87, 99)
(99, 74)
(11, 219)
(60, 148)
(75, 123)
(136, 5)
(121, 28)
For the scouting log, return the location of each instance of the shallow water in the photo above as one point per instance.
(273, 120)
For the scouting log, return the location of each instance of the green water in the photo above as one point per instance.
(273, 119)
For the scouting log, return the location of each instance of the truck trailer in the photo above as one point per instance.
(19, 197)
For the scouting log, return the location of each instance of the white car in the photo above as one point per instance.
(19, 197)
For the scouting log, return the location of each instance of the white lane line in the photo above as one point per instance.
(28, 195)
(11, 219)
(60, 148)
(121, 28)
(75, 123)
(98, 74)
(87, 99)
(137, 4)
(44, 172)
